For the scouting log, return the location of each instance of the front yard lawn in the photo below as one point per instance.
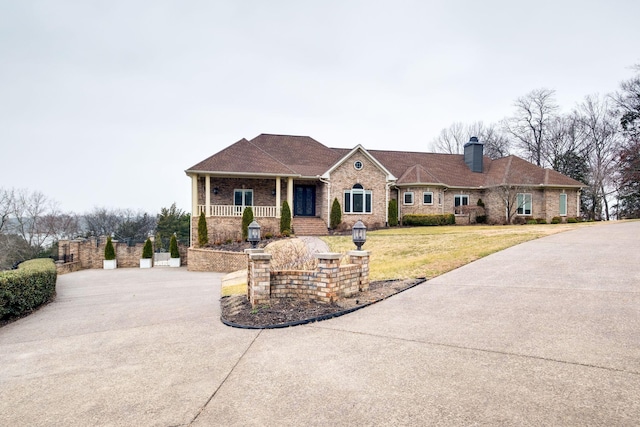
(399, 253)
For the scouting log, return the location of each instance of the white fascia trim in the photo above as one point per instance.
(390, 176)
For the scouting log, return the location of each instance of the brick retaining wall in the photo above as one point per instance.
(218, 261)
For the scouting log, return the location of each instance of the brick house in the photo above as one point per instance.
(270, 169)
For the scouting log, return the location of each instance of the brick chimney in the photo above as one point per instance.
(473, 153)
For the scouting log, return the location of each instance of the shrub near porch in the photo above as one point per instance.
(400, 253)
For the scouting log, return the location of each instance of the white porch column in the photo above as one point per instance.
(290, 194)
(278, 202)
(194, 196)
(207, 196)
(194, 204)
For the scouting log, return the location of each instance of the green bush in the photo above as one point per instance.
(109, 252)
(572, 220)
(556, 220)
(203, 233)
(173, 247)
(247, 218)
(421, 219)
(147, 250)
(285, 218)
(336, 214)
(393, 213)
(532, 221)
(481, 219)
(541, 221)
(480, 203)
(22, 290)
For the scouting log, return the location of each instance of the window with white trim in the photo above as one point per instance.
(358, 200)
(563, 204)
(439, 198)
(460, 200)
(427, 198)
(408, 198)
(523, 204)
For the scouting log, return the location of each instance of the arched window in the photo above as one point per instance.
(358, 200)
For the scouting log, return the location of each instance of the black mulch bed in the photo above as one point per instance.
(237, 311)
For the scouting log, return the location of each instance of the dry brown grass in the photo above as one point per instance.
(399, 253)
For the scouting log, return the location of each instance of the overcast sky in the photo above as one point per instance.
(106, 103)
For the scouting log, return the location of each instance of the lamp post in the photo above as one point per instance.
(254, 233)
(359, 234)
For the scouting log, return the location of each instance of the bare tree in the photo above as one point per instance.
(6, 203)
(102, 221)
(599, 129)
(30, 211)
(452, 139)
(529, 126)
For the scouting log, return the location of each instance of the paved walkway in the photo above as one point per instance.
(544, 333)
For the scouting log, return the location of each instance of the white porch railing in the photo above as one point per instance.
(231, 210)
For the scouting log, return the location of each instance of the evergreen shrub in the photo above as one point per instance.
(285, 219)
(247, 218)
(336, 214)
(173, 247)
(147, 250)
(393, 212)
(203, 233)
(109, 251)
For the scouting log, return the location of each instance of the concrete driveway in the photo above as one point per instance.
(544, 333)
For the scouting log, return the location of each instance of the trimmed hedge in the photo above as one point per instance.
(421, 219)
(24, 289)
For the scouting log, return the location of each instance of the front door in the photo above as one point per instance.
(304, 200)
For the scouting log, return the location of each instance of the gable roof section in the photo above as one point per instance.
(517, 171)
(444, 169)
(390, 176)
(242, 157)
(281, 155)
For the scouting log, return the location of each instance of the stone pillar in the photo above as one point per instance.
(361, 259)
(259, 284)
(327, 276)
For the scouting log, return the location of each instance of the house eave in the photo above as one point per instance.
(221, 174)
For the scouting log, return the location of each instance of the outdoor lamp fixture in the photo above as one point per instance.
(215, 190)
(254, 234)
(273, 192)
(359, 234)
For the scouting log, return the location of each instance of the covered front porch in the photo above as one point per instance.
(228, 196)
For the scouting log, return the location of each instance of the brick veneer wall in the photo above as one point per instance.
(371, 178)
(329, 282)
(218, 261)
(90, 255)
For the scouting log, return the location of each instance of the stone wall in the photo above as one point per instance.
(90, 252)
(329, 282)
(218, 261)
